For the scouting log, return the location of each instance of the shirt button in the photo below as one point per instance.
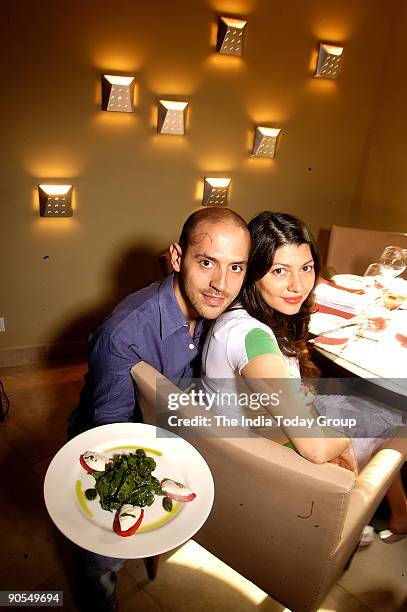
(191, 346)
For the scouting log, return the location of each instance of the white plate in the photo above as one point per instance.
(349, 281)
(321, 322)
(92, 529)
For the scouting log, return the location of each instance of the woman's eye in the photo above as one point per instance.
(279, 271)
(205, 263)
(237, 268)
(308, 268)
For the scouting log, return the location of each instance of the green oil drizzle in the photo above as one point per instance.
(168, 517)
(149, 450)
(82, 501)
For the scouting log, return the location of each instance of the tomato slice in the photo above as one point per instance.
(85, 465)
(131, 530)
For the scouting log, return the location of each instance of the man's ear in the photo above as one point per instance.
(176, 255)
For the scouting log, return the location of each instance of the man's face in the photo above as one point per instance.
(211, 270)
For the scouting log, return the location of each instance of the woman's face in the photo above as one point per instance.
(290, 279)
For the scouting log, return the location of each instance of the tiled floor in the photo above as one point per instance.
(34, 555)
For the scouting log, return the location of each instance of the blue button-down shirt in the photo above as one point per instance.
(146, 326)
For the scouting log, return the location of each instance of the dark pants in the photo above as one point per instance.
(95, 575)
(95, 581)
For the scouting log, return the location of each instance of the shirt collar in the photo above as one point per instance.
(171, 316)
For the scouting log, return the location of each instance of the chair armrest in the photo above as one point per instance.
(373, 483)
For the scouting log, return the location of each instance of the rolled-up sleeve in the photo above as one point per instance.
(110, 362)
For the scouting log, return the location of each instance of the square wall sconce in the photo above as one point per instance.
(265, 141)
(329, 61)
(216, 191)
(55, 200)
(117, 93)
(171, 117)
(231, 33)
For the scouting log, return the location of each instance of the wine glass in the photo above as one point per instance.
(372, 281)
(393, 261)
(372, 274)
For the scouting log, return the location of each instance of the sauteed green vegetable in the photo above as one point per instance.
(127, 479)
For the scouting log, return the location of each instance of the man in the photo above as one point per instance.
(162, 325)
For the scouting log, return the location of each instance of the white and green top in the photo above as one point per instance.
(234, 339)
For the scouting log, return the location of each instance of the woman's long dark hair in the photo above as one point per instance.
(269, 231)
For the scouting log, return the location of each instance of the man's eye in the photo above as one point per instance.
(205, 263)
(237, 268)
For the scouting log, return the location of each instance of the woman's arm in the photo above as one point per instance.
(268, 373)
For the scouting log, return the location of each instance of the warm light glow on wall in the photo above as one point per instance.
(265, 141)
(50, 159)
(216, 191)
(260, 108)
(329, 61)
(171, 117)
(117, 93)
(230, 37)
(226, 63)
(55, 200)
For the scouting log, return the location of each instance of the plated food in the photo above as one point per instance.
(89, 526)
(124, 484)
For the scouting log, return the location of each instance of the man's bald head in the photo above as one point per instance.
(210, 214)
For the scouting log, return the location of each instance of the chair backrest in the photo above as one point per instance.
(286, 524)
(352, 249)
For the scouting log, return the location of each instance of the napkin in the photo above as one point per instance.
(339, 299)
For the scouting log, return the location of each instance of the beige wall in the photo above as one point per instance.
(381, 197)
(133, 188)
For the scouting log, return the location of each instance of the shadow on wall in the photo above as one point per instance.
(135, 269)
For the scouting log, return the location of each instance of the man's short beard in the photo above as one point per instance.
(197, 306)
(191, 307)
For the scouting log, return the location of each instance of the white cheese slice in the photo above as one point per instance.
(173, 488)
(96, 461)
(132, 516)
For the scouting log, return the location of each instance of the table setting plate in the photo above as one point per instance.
(321, 322)
(350, 282)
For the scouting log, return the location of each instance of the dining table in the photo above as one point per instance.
(364, 339)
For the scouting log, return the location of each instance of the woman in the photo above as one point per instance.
(263, 340)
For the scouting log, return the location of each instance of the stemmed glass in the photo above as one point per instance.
(380, 278)
(393, 261)
(372, 281)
